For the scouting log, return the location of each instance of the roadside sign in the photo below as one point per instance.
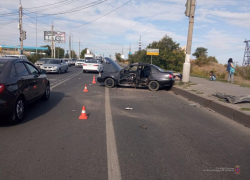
(153, 52)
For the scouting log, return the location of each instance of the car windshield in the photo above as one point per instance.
(51, 61)
(43, 60)
(66, 60)
(158, 68)
(89, 58)
(92, 61)
(2, 65)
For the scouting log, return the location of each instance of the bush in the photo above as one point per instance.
(34, 58)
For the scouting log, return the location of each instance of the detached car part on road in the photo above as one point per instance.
(55, 66)
(20, 84)
(138, 75)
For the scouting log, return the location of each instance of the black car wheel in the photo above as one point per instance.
(46, 95)
(153, 85)
(84, 71)
(59, 71)
(66, 70)
(109, 82)
(19, 110)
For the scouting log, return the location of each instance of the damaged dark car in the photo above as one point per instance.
(137, 75)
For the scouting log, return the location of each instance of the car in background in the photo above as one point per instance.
(40, 62)
(67, 62)
(23, 57)
(55, 66)
(72, 62)
(138, 75)
(92, 65)
(20, 84)
(79, 62)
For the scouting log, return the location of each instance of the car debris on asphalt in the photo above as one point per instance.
(232, 99)
(143, 126)
(128, 108)
(193, 105)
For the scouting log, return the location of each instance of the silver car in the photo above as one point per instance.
(41, 62)
(55, 66)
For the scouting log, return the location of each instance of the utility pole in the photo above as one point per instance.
(21, 27)
(54, 50)
(36, 32)
(69, 47)
(79, 49)
(140, 44)
(190, 11)
(52, 45)
(246, 58)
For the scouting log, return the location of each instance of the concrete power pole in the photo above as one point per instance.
(140, 44)
(190, 13)
(21, 27)
(79, 50)
(69, 47)
(246, 58)
(52, 45)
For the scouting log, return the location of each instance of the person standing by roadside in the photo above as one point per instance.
(230, 70)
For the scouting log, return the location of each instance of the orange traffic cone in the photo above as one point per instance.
(85, 89)
(83, 114)
(93, 82)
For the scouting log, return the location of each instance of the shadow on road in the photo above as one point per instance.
(38, 108)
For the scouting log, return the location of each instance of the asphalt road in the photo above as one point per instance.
(164, 136)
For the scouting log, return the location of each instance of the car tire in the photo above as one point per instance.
(59, 71)
(84, 71)
(153, 86)
(109, 83)
(19, 110)
(46, 94)
(66, 70)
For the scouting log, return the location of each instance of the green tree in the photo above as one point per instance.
(171, 56)
(48, 52)
(66, 55)
(200, 52)
(61, 52)
(118, 57)
(84, 51)
(73, 54)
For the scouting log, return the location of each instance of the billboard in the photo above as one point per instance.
(58, 37)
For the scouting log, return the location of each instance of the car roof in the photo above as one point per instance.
(10, 59)
(140, 64)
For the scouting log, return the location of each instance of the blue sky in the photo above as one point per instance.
(221, 26)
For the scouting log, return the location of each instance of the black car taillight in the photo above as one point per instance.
(1, 88)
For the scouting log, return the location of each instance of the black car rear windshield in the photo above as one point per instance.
(158, 68)
(2, 66)
(53, 62)
(88, 57)
(93, 61)
(80, 61)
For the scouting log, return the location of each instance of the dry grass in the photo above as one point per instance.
(242, 75)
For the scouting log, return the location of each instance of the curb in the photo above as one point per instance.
(228, 112)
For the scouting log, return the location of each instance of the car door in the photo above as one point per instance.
(25, 81)
(128, 74)
(37, 79)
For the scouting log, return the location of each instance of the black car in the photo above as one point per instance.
(137, 75)
(20, 84)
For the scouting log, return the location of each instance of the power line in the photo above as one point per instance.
(74, 9)
(103, 15)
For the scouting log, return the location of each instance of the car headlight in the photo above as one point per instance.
(41, 66)
(55, 67)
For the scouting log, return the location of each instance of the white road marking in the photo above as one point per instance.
(112, 156)
(68, 78)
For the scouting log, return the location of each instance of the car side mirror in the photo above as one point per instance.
(42, 71)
